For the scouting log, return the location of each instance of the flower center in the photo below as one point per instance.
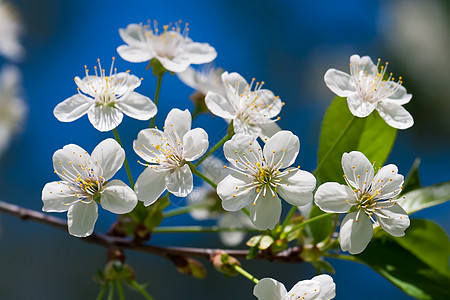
(106, 90)
(168, 42)
(254, 110)
(367, 200)
(90, 186)
(172, 156)
(373, 87)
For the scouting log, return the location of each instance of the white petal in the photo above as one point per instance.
(133, 34)
(110, 156)
(118, 198)
(387, 182)
(359, 107)
(270, 106)
(234, 199)
(394, 220)
(137, 106)
(356, 164)
(195, 144)
(400, 96)
(70, 161)
(179, 121)
(333, 197)
(150, 185)
(176, 64)
(73, 108)
(233, 219)
(268, 130)
(105, 118)
(57, 195)
(189, 77)
(124, 83)
(305, 289)
(180, 182)
(281, 149)
(327, 287)
(364, 64)
(395, 115)
(200, 53)
(354, 236)
(134, 54)
(220, 106)
(269, 289)
(244, 128)
(235, 83)
(339, 83)
(81, 218)
(243, 152)
(296, 187)
(145, 145)
(266, 213)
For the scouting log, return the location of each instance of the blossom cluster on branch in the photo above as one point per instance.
(245, 194)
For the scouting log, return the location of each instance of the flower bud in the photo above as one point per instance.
(224, 263)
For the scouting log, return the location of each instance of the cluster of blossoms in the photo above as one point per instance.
(257, 175)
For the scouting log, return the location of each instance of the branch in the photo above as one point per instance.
(108, 241)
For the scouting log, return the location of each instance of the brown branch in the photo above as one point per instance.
(108, 241)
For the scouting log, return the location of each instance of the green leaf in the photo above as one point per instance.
(426, 197)
(342, 132)
(337, 119)
(428, 242)
(412, 181)
(321, 228)
(377, 139)
(405, 270)
(265, 242)
(254, 240)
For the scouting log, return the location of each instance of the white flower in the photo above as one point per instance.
(85, 181)
(105, 99)
(208, 78)
(366, 90)
(171, 47)
(167, 153)
(252, 112)
(319, 287)
(257, 179)
(209, 204)
(10, 29)
(12, 107)
(368, 195)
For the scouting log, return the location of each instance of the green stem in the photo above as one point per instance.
(344, 131)
(245, 210)
(341, 256)
(288, 218)
(197, 172)
(120, 290)
(202, 229)
(143, 292)
(155, 100)
(111, 291)
(183, 210)
(102, 291)
(312, 220)
(245, 274)
(127, 167)
(214, 148)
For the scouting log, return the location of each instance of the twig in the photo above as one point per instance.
(108, 241)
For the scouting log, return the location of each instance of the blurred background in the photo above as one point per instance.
(287, 44)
